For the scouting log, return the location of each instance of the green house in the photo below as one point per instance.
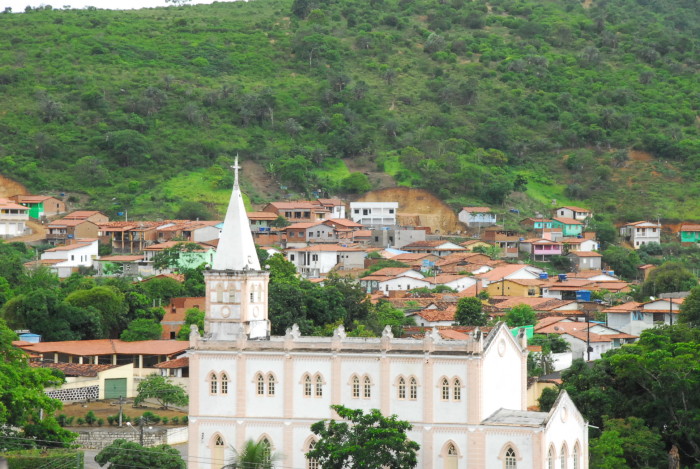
(570, 228)
(41, 205)
(690, 234)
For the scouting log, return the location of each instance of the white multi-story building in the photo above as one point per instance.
(66, 259)
(641, 232)
(13, 218)
(466, 399)
(374, 214)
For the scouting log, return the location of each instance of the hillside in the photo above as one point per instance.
(500, 102)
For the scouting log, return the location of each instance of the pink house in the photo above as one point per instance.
(541, 249)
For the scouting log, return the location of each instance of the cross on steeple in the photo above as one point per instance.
(235, 168)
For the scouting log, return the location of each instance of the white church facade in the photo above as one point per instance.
(466, 399)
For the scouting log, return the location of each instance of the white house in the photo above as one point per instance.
(66, 259)
(641, 232)
(509, 271)
(374, 214)
(335, 206)
(580, 335)
(579, 244)
(577, 213)
(13, 219)
(319, 259)
(465, 399)
(477, 216)
(633, 317)
(585, 260)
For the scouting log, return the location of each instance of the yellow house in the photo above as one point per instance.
(473, 243)
(516, 287)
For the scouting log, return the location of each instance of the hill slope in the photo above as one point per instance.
(471, 100)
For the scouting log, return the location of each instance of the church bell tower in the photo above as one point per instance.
(236, 286)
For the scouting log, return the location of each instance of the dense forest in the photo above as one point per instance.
(594, 103)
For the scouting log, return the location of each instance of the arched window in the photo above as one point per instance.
(550, 458)
(451, 457)
(224, 383)
(562, 457)
(457, 389)
(319, 386)
(510, 461)
(307, 386)
(575, 457)
(367, 388)
(413, 389)
(217, 452)
(445, 389)
(270, 384)
(355, 387)
(260, 384)
(213, 383)
(266, 450)
(311, 463)
(402, 388)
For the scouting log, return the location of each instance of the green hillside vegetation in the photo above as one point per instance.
(144, 110)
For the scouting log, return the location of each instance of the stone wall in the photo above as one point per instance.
(99, 438)
(85, 393)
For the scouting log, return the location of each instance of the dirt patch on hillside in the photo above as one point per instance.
(255, 178)
(637, 155)
(418, 207)
(110, 407)
(9, 187)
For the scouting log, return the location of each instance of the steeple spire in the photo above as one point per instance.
(236, 250)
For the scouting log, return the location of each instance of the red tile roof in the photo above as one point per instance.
(567, 221)
(74, 369)
(181, 362)
(109, 347)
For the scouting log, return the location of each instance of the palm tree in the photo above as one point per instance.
(253, 456)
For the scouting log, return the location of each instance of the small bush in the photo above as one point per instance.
(81, 421)
(100, 422)
(110, 419)
(62, 420)
(184, 420)
(175, 420)
(164, 420)
(90, 418)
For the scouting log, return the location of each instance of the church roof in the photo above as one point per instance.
(236, 249)
(516, 418)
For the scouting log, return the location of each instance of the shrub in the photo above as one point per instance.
(150, 417)
(164, 420)
(81, 421)
(110, 419)
(100, 422)
(33, 458)
(184, 420)
(175, 420)
(62, 420)
(90, 418)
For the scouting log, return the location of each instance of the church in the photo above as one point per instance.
(465, 398)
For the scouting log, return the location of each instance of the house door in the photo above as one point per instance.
(115, 388)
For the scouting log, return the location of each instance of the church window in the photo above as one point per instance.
(445, 389)
(266, 450)
(550, 458)
(413, 389)
(576, 457)
(270, 385)
(261, 385)
(457, 389)
(307, 386)
(510, 461)
(562, 457)
(311, 463)
(213, 384)
(355, 387)
(319, 386)
(368, 388)
(402, 388)
(252, 297)
(224, 383)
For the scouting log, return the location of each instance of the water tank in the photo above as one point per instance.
(562, 277)
(544, 276)
(583, 295)
(521, 239)
(610, 272)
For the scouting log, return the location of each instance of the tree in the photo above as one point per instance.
(365, 441)
(521, 315)
(470, 312)
(641, 446)
(690, 309)
(162, 390)
(253, 456)
(192, 316)
(607, 451)
(142, 329)
(668, 277)
(122, 454)
(356, 183)
(169, 258)
(191, 210)
(22, 396)
(108, 301)
(623, 261)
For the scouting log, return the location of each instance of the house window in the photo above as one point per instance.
(314, 257)
(367, 388)
(307, 386)
(659, 317)
(224, 383)
(510, 461)
(562, 458)
(270, 385)
(213, 384)
(391, 210)
(291, 257)
(402, 388)
(319, 386)
(457, 390)
(637, 316)
(355, 387)
(311, 463)
(413, 389)
(445, 389)
(260, 385)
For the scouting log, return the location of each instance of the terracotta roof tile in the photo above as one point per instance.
(110, 346)
(181, 362)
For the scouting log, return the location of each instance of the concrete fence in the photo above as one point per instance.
(99, 438)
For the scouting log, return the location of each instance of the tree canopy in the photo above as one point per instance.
(364, 440)
(123, 454)
(162, 390)
(470, 312)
